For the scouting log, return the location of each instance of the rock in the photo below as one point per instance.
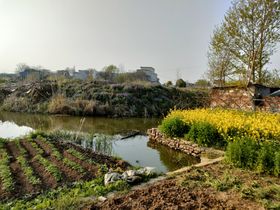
(102, 199)
(134, 179)
(146, 171)
(111, 177)
(131, 173)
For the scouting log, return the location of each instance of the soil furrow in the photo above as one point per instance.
(91, 170)
(48, 181)
(22, 184)
(68, 173)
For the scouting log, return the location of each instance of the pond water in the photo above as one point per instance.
(106, 137)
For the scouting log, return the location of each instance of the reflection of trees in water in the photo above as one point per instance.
(98, 143)
(92, 124)
(173, 159)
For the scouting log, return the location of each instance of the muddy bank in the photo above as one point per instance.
(100, 99)
(216, 186)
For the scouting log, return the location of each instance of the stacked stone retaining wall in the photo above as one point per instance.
(177, 144)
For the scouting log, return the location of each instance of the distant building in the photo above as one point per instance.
(81, 74)
(34, 74)
(150, 74)
(63, 73)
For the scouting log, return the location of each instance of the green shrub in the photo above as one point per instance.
(174, 127)
(181, 83)
(243, 152)
(205, 134)
(277, 164)
(263, 157)
(265, 162)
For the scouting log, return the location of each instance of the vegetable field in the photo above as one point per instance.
(34, 164)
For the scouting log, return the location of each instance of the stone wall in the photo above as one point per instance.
(271, 104)
(233, 98)
(177, 144)
(242, 98)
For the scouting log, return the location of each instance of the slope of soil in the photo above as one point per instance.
(95, 98)
(217, 186)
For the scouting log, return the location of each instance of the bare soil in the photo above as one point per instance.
(217, 186)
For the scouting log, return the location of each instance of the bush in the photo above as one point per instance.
(181, 83)
(263, 157)
(265, 162)
(174, 127)
(205, 134)
(243, 152)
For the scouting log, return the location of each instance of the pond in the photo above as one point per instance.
(106, 137)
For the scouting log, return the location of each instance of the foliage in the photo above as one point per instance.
(256, 125)
(67, 197)
(49, 167)
(244, 43)
(181, 83)
(73, 165)
(169, 84)
(248, 153)
(174, 127)
(243, 152)
(28, 171)
(205, 134)
(5, 172)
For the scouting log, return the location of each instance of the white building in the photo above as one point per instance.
(150, 73)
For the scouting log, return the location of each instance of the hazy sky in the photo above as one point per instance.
(170, 35)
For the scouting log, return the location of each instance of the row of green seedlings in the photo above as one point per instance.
(102, 167)
(55, 152)
(26, 168)
(5, 171)
(49, 167)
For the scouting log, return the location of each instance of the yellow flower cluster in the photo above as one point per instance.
(232, 123)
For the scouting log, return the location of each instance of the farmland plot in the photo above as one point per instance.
(30, 166)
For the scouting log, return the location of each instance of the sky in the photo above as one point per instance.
(170, 35)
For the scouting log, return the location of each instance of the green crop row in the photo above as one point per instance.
(22, 151)
(28, 171)
(55, 151)
(58, 155)
(51, 168)
(73, 165)
(80, 156)
(5, 171)
(35, 146)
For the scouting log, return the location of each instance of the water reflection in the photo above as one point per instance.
(72, 123)
(12, 130)
(136, 150)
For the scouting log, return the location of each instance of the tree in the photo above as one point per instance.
(202, 83)
(169, 83)
(181, 83)
(21, 67)
(109, 72)
(248, 37)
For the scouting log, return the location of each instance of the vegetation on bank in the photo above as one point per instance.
(97, 98)
(252, 140)
(55, 174)
(40, 172)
